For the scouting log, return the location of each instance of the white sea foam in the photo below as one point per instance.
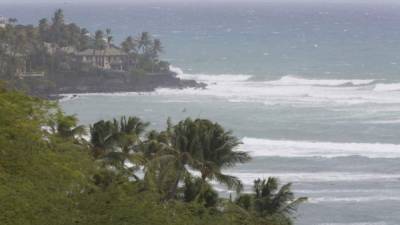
(321, 177)
(293, 80)
(353, 199)
(349, 191)
(389, 121)
(291, 90)
(287, 148)
(71, 96)
(210, 79)
(387, 87)
(357, 223)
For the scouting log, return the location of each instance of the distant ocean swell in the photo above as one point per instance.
(290, 90)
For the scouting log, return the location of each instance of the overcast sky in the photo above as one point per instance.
(143, 1)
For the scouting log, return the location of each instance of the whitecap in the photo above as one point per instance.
(290, 148)
(349, 191)
(294, 80)
(353, 199)
(292, 90)
(289, 90)
(209, 78)
(357, 223)
(389, 121)
(321, 177)
(387, 87)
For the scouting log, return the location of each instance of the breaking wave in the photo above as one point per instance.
(286, 148)
(293, 80)
(321, 177)
(387, 87)
(354, 199)
(292, 90)
(210, 79)
(358, 223)
(289, 89)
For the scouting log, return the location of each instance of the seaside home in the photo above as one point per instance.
(110, 58)
(3, 22)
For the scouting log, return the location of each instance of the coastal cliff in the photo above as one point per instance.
(61, 58)
(103, 82)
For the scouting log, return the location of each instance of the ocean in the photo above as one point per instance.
(312, 90)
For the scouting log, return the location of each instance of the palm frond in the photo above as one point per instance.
(231, 182)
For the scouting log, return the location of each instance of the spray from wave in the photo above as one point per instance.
(210, 79)
(293, 80)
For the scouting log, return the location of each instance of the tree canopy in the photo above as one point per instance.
(50, 173)
(50, 49)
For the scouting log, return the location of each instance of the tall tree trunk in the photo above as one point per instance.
(172, 193)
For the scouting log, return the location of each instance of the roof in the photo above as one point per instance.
(106, 52)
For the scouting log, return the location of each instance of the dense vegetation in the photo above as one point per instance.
(124, 174)
(49, 49)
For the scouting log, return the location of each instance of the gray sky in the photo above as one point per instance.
(143, 1)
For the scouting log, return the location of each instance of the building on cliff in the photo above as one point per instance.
(110, 58)
(3, 22)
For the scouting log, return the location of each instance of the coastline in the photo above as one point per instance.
(108, 82)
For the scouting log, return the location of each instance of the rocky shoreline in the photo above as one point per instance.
(61, 83)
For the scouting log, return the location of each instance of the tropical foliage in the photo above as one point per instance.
(49, 49)
(51, 172)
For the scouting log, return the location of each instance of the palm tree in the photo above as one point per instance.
(216, 151)
(130, 130)
(109, 37)
(195, 189)
(156, 49)
(268, 199)
(168, 157)
(58, 18)
(43, 28)
(144, 42)
(66, 127)
(206, 147)
(163, 171)
(104, 136)
(117, 142)
(129, 45)
(99, 40)
(57, 27)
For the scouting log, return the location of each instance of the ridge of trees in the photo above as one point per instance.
(51, 173)
(27, 47)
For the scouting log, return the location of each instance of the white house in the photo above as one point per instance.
(3, 21)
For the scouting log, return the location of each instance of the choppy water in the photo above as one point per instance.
(312, 90)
